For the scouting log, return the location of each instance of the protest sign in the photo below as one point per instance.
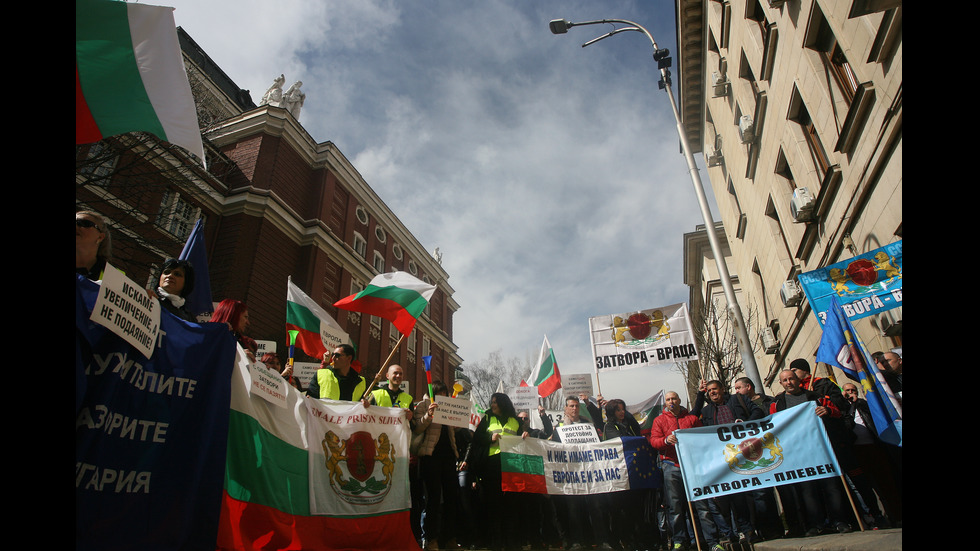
(524, 398)
(786, 447)
(577, 433)
(267, 383)
(127, 310)
(648, 337)
(542, 466)
(454, 412)
(573, 384)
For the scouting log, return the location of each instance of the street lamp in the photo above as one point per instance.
(661, 56)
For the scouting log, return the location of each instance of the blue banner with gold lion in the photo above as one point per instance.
(867, 284)
(787, 447)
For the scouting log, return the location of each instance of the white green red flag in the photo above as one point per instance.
(129, 75)
(545, 376)
(317, 331)
(396, 296)
(313, 475)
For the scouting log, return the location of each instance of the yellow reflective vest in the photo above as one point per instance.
(330, 386)
(494, 427)
(383, 399)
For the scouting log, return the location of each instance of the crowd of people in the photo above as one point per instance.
(455, 473)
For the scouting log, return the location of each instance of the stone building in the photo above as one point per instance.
(796, 106)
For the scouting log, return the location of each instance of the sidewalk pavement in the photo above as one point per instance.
(869, 540)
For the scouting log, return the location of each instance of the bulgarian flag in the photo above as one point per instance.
(279, 492)
(317, 332)
(545, 376)
(129, 75)
(397, 297)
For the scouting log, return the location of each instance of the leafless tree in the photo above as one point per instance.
(715, 334)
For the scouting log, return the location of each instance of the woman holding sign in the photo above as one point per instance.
(437, 467)
(485, 451)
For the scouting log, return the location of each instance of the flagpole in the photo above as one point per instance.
(385, 366)
(847, 490)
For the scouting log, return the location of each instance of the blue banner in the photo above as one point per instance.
(787, 447)
(867, 284)
(150, 434)
(841, 345)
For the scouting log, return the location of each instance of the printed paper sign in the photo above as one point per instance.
(127, 310)
(525, 398)
(454, 412)
(577, 433)
(573, 384)
(268, 384)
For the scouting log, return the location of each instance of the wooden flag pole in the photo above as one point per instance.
(384, 367)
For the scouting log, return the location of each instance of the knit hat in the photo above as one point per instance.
(801, 364)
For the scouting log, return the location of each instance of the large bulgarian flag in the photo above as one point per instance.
(317, 332)
(397, 297)
(313, 474)
(545, 376)
(129, 75)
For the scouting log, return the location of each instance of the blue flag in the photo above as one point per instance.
(151, 435)
(199, 301)
(842, 346)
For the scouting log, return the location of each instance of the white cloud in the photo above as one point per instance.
(548, 174)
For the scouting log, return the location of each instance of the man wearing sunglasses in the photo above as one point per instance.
(339, 382)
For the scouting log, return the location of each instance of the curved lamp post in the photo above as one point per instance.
(661, 56)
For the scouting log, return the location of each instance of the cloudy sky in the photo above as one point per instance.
(549, 175)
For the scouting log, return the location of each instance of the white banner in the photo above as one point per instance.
(358, 458)
(524, 398)
(573, 384)
(647, 337)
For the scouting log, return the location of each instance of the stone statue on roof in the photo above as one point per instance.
(273, 96)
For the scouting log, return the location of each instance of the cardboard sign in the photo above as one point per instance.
(454, 412)
(127, 310)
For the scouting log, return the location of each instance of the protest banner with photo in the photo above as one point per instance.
(784, 448)
(151, 434)
(541, 466)
(866, 284)
(127, 310)
(645, 338)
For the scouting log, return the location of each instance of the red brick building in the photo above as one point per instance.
(276, 204)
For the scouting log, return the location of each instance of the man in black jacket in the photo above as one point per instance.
(875, 457)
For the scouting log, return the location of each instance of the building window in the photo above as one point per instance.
(821, 39)
(362, 215)
(360, 245)
(100, 163)
(379, 232)
(177, 216)
(412, 268)
(426, 346)
(379, 262)
(397, 251)
(818, 154)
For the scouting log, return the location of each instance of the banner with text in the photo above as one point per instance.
(648, 337)
(358, 459)
(867, 284)
(545, 467)
(150, 434)
(786, 447)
